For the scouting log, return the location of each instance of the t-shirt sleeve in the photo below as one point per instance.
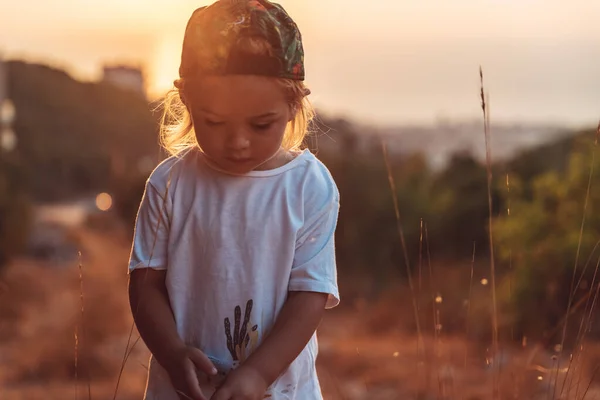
(151, 234)
(314, 268)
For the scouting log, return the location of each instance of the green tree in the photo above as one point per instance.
(541, 238)
(76, 136)
(460, 212)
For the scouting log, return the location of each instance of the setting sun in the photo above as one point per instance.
(443, 41)
(395, 240)
(163, 69)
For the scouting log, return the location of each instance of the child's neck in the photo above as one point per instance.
(280, 158)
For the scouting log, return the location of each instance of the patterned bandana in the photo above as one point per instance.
(213, 33)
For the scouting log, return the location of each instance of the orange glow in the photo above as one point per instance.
(423, 39)
(104, 201)
(165, 65)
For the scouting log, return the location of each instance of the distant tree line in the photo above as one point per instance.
(82, 138)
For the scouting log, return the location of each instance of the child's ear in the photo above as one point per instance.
(293, 112)
(178, 83)
(182, 98)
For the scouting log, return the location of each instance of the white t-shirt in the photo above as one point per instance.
(233, 246)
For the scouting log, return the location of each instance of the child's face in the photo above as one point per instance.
(239, 120)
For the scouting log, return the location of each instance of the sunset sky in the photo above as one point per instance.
(378, 61)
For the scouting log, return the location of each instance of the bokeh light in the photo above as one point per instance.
(104, 201)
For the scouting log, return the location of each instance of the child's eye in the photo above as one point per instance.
(213, 123)
(262, 127)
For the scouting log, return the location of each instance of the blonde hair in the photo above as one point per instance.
(177, 130)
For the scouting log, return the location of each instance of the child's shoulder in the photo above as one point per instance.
(316, 170)
(318, 181)
(170, 168)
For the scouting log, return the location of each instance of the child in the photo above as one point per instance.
(233, 262)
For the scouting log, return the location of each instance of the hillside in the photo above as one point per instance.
(76, 139)
(72, 134)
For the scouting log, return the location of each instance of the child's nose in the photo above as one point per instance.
(238, 141)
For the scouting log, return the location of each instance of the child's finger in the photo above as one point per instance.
(202, 362)
(183, 396)
(221, 394)
(191, 380)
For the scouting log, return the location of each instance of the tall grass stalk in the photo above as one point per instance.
(80, 337)
(420, 265)
(436, 312)
(590, 383)
(128, 350)
(469, 298)
(580, 338)
(488, 158)
(510, 265)
(392, 184)
(581, 229)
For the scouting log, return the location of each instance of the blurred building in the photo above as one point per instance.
(3, 80)
(8, 139)
(126, 77)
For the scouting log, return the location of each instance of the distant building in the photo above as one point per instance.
(3, 80)
(125, 77)
(8, 139)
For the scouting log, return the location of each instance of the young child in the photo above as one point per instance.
(233, 262)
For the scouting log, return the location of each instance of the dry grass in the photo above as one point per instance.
(366, 353)
(64, 326)
(44, 313)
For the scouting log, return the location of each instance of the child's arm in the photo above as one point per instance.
(296, 324)
(155, 322)
(152, 313)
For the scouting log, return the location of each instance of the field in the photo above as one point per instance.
(52, 349)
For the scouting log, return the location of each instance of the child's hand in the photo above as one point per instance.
(182, 369)
(244, 383)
